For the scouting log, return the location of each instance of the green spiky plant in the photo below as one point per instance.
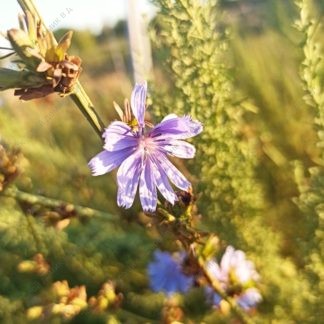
(190, 36)
(311, 181)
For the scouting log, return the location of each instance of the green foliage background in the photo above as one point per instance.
(239, 73)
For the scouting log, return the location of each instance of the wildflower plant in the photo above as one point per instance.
(310, 182)
(137, 147)
(141, 154)
(198, 220)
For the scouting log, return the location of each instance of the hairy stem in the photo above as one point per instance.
(32, 199)
(81, 99)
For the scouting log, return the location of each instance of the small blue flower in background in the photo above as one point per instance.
(235, 271)
(142, 155)
(247, 300)
(166, 275)
(212, 297)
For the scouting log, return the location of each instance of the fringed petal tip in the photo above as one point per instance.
(179, 148)
(176, 127)
(96, 167)
(105, 161)
(142, 84)
(149, 209)
(195, 126)
(124, 204)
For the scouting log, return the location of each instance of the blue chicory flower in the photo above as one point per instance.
(166, 275)
(212, 297)
(142, 155)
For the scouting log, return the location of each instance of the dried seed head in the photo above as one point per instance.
(60, 77)
(45, 67)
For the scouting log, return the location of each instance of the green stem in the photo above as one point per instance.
(83, 102)
(53, 203)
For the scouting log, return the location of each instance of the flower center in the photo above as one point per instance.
(146, 144)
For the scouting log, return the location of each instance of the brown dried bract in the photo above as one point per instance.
(44, 66)
(61, 76)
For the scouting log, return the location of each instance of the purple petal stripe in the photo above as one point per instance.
(138, 100)
(178, 148)
(106, 161)
(119, 136)
(147, 188)
(173, 173)
(163, 183)
(128, 177)
(176, 127)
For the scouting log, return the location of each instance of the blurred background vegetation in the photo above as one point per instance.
(263, 58)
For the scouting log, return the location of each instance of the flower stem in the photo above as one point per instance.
(32, 199)
(81, 99)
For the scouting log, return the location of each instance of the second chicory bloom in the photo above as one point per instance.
(234, 268)
(235, 274)
(166, 274)
(142, 155)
